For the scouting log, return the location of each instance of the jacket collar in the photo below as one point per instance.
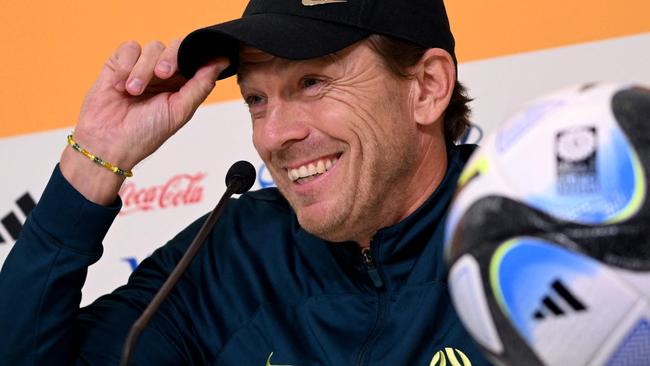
(411, 251)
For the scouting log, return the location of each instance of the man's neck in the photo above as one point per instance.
(425, 180)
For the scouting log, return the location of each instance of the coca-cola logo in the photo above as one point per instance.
(179, 190)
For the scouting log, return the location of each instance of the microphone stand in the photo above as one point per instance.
(237, 182)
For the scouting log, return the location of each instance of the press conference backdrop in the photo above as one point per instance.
(509, 50)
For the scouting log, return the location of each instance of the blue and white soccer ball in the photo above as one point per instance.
(548, 237)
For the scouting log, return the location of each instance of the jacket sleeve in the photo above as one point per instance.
(41, 322)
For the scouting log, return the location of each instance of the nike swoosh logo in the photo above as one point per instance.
(321, 2)
(268, 361)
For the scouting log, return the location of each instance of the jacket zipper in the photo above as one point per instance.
(368, 258)
(371, 267)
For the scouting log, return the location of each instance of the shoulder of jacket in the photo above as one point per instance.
(264, 203)
(271, 195)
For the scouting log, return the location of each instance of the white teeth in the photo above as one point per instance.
(328, 164)
(293, 174)
(305, 171)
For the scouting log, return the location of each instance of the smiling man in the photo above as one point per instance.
(355, 107)
(339, 135)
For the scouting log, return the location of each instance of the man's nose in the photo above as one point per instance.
(285, 123)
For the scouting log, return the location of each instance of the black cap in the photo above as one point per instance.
(304, 29)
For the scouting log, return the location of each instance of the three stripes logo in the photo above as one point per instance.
(12, 223)
(559, 302)
(450, 356)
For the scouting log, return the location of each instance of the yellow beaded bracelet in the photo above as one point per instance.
(98, 160)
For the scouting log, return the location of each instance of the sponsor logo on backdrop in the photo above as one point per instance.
(264, 177)
(132, 262)
(179, 190)
(473, 135)
(11, 223)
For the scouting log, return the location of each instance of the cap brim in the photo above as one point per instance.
(280, 35)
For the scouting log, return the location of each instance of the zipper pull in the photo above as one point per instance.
(371, 267)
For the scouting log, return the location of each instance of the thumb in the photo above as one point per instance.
(188, 98)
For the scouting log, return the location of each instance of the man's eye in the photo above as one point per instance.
(309, 82)
(253, 100)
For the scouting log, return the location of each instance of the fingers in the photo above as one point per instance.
(167, 65)
(190, 96)
(118, 68)
(132, 68)
(152, 70)
(143, 70)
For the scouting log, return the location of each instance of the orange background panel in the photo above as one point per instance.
(52, 51)
(489, 28)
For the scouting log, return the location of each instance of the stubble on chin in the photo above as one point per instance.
(337, 222)
(327, 225)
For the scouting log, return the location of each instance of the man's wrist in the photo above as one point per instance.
(91, 180)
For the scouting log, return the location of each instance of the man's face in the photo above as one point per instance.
(337, 135)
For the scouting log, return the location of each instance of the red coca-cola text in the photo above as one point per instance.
(179, 190)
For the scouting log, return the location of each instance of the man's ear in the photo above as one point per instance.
(435, 78)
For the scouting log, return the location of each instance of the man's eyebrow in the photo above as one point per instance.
(243, 71)
(240, 77)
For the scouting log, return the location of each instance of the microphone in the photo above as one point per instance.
(239, 179)
(241, 176)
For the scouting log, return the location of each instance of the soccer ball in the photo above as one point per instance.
(548, 236)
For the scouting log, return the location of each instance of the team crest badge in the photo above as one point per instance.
(450, 357)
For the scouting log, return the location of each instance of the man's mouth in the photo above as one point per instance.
(307, 172)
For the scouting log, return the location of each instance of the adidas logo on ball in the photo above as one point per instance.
(557, 307)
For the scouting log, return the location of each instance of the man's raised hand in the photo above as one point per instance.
(138, 102)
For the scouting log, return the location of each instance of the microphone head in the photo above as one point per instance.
(241, 175)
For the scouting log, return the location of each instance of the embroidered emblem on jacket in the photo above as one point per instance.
(450, 356)
(268, 361)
